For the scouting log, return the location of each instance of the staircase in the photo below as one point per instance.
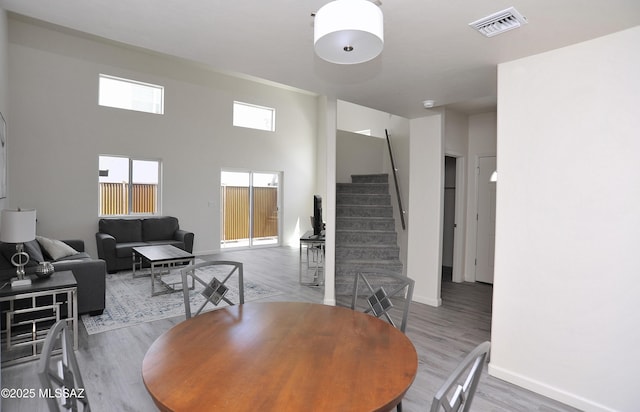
(366, 240)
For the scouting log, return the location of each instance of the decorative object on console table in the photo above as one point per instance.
(45, 269)
(18, 226)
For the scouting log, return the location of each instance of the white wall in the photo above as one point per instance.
(565, 312)
(355, 118)
(58, 131)
(424, 252)
(357, 154)
(456, 143)
(4, 78)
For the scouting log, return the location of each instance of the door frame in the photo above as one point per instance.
(251, 172)
(459, 215)
(477, 210)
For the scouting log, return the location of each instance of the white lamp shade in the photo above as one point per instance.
(348, 31)
(17, 226)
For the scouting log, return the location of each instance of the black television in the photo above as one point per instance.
(317, 215)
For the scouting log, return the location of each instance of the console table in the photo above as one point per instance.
(29, 311)
(311, 259)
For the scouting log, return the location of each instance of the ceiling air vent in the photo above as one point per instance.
(499, 22)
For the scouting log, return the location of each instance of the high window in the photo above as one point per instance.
(129, 186)
(254, 117)
(130, 95)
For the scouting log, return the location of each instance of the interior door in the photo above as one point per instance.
(486, 220)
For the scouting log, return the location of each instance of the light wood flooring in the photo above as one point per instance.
(111, 361)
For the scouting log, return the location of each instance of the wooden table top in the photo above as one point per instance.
(280, 356)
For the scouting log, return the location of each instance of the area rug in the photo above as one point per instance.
(129, 301)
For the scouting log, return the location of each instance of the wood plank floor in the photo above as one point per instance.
(111, 361)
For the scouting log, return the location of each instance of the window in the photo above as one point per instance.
(254, 117)
(128, 186)
(130, 95)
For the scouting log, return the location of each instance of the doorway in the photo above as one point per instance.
(249, 208)
(449, 222)
(453, 218)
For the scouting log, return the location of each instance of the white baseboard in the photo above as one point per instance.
(329, 302)
(547, 390)
(427, 301)
(206, 252)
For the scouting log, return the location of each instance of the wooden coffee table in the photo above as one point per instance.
(161, 258)
(280, 356)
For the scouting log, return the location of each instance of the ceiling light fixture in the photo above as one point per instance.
(348, 31)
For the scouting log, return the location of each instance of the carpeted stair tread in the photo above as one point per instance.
(366, 237)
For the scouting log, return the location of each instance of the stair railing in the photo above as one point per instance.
(395, 180)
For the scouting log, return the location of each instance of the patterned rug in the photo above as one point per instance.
(129, 301)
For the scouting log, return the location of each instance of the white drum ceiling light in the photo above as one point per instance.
(348, 31)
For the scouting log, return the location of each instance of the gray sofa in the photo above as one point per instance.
(116, 238)
(89, 273)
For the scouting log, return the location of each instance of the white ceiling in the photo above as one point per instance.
(430, 51)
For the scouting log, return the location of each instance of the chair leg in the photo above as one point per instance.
(399, 407)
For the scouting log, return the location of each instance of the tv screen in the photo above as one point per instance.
(317, 215)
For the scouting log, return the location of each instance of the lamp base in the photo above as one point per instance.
(15, 282)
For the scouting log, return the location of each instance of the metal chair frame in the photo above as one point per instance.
(379, 300)
(462, 393)
(214, 289)
(63, 385)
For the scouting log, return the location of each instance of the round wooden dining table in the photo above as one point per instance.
(280, 356)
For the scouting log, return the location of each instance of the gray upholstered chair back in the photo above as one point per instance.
(457, 392)
(61, 374)
(212, 284)
(385, 294)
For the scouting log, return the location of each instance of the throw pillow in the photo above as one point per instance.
(35, 254)
(56, 248)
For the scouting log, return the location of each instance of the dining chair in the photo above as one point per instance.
(457, 392)
(378, 300)
(379, 289)
(60, 378)
(213, 289)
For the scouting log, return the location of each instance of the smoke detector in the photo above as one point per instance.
(428, 104)
(499, 22)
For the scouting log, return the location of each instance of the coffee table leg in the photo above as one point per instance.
(153, 279)
(185, 286)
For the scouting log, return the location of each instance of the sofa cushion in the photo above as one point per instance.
(77, 256)
(7, 250)
(34, 251)
(159, 228)
(126, 249)
(124, 230)
(177, 243)
(55, 248)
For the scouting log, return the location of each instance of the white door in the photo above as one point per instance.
(486, 216)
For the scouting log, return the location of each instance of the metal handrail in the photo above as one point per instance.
(395, 180)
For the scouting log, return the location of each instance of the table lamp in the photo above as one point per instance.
(18, 226)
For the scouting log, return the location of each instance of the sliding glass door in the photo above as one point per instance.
(250, 208)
